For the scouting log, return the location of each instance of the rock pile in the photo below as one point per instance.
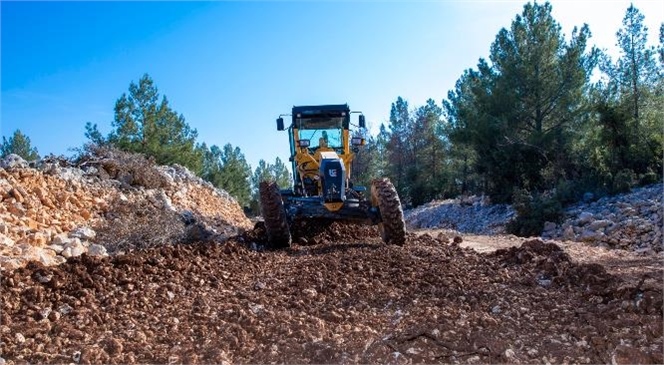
(189, 192)
(628, 221)
(632, 221)
(467, 215)
(47, 213)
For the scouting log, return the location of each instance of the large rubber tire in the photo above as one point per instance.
(274, 214)
(385, 197)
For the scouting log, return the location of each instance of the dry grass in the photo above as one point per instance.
(137, 223)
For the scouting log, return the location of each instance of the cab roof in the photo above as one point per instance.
(320, 109)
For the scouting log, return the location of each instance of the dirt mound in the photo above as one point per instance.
(359, 301)
(550, 265)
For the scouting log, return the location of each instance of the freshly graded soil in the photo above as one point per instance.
(337, 295)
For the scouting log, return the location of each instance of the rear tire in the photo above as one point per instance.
(274, 214)
(385, 197)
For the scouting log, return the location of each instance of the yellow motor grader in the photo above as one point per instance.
(322, 152)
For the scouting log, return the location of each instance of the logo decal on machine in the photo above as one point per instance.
(332, 172)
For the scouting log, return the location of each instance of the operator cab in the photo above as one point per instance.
(318, 135)
(321, 126)
(322, 133)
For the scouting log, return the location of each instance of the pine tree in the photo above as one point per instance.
(268, 172)
(382, 141)
(518, 112)
(234, 174)
(630, 105)
(228, 169)
(425, 177)
(398, 152)
(281, 174)
(635, 70)
(18, 144)
(144, 124)
(661, 46)
(366, 163)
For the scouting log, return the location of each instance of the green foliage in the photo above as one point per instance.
(144, 124)
(427, 175)
(625, 140)
(414, 153)
(533, 210)
(623, 181)
(228, 169)
(567, 192)
(263, 172)
(281, 174)
(398, 154)
(661, 44)
(648, 178)
(271, 172)
(519, 112)
(93, 134)
(369, 162)
(528, 118)
(18, 144)
(268, 172)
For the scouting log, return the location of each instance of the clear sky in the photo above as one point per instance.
(232, 67)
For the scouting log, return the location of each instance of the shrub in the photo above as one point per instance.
(532, 212)
(623, 181)
(568, 191)
(649, 178)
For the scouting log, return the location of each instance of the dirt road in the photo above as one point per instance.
(338, 296)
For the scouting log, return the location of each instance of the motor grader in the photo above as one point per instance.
(321, 152)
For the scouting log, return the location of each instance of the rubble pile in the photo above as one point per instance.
(44, 208)
(472, 214)
(38, 212)
(189, 192)
(631, 221)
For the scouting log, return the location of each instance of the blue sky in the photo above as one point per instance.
(232, 67)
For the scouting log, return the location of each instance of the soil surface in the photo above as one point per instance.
(632, 266)
(339, 295)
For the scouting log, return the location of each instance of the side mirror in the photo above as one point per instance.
(280, 124)
(363, 123)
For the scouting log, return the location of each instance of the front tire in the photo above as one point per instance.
(385, 197)
(274, 214)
